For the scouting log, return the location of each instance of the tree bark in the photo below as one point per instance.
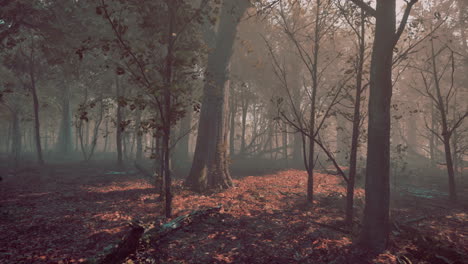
(376, 226)
(167, 114)
(315, 83)
(210, 169)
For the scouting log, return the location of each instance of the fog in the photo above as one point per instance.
(311, 131)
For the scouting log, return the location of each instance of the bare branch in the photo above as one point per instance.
(404, 20)
(367, 8)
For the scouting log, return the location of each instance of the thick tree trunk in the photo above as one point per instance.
(376, 227)
(210, 169)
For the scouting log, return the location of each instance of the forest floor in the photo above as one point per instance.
(68, 213)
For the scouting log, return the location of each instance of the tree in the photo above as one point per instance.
(432, 75)
(322, 97)
(210, 165)
(163, 85)
(357, 22)
(376, 226)
(32, 65)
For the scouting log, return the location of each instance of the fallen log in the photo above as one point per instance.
(127, 246)
(154, 235)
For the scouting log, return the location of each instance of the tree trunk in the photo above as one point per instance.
(210, 169)
(297, 157)
(342, 140)
(376, 227)
(446, 135)
(356, 123)
(450, 170)
(315, 83)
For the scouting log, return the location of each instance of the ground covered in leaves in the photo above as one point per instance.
(69, 213)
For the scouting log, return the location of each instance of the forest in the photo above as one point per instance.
(234, 131)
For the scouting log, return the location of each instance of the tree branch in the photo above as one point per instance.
(367, 8)
(404, 21)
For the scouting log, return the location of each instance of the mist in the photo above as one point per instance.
(233, 131)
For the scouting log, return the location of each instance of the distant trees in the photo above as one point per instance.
(438, 72)
(321, 102)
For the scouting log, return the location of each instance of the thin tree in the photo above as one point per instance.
(376, 226)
